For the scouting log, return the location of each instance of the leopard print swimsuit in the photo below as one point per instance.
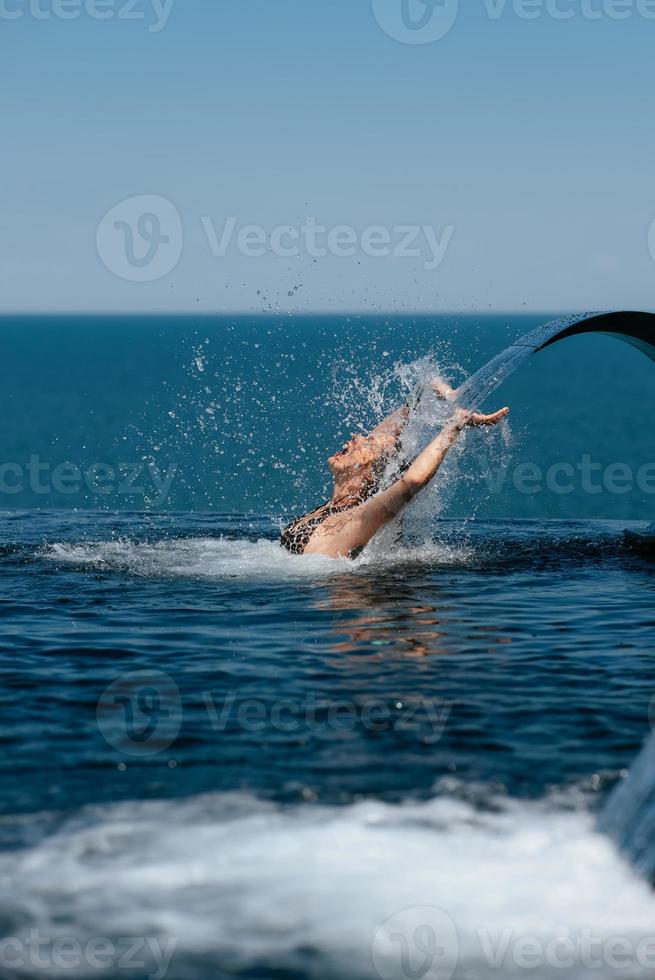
(295, 537)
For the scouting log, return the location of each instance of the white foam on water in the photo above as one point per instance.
(220, 558)
(204, 558)
(235, 881)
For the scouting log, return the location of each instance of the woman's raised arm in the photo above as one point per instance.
(342, 534)
(395, 423)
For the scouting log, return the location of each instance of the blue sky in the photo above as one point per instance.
(519, 154)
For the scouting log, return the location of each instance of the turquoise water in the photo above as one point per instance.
(235, 762)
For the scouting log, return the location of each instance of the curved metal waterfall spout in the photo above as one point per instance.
(629, 814)
(637, 329)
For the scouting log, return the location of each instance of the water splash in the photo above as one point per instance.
(222, 559)
(199, 558)
(252, 412)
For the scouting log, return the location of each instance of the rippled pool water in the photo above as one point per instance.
(221, 760)
(263, 758)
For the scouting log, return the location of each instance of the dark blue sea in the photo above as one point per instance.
(220, 760)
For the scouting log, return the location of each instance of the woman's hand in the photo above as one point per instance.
(468, 419)
(443, 390)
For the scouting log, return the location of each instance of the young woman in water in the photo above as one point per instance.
(343, 526)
